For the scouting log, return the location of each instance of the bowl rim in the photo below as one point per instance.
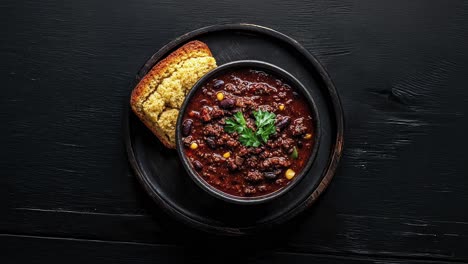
(276, 72)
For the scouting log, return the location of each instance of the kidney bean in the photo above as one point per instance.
(227, 103)
(187, 127)
(211, 143)
(218, 84)
(269, 175)
(197, 165)
(283, 122)
(299, 143)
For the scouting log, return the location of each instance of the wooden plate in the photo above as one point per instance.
(161, 173)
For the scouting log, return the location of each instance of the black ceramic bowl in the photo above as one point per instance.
(276, 72)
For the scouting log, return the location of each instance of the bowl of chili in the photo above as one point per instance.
(247, 132)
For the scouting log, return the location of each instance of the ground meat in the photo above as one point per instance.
(232, 143)
(232, 164)
(287, 143)
(256, 150)
(187, 141)
(239, 160)
(225, 137)
(229, 87)
(261, 88)
(227, 140)
(283, 143)
(254, 176)
(243, 102)
(213, 130)
(276, 162)
(252, 161)
(298, 128)
(268, 108)
(265, 154)
(243, 151)
(217, 112)
(205, 113)
(250, 123)
(242, 86)
(250, 190)
(217, 158)
(280, 181)
(203, 155)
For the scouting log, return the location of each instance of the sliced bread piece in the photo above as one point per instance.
(157, 98)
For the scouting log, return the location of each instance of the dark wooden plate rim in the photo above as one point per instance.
(333, 160)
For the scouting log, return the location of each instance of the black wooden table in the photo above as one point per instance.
(67, 192)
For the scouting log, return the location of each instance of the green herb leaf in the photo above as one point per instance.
(248, 138)
(263, 118)
(294, 154)
(265, 122)
(238, 124)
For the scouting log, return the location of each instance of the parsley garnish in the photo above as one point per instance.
(265, 122)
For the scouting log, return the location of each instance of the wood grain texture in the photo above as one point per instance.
(400, 67)
(19, 248)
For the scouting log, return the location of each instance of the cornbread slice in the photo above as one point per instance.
(157, 98)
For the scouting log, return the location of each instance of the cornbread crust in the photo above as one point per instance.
(157, 98)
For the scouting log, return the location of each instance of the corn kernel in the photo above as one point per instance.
(194, 145)
(308, 136)
(290, 174)
(220, 96)
(281, 107)
(227, 154)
